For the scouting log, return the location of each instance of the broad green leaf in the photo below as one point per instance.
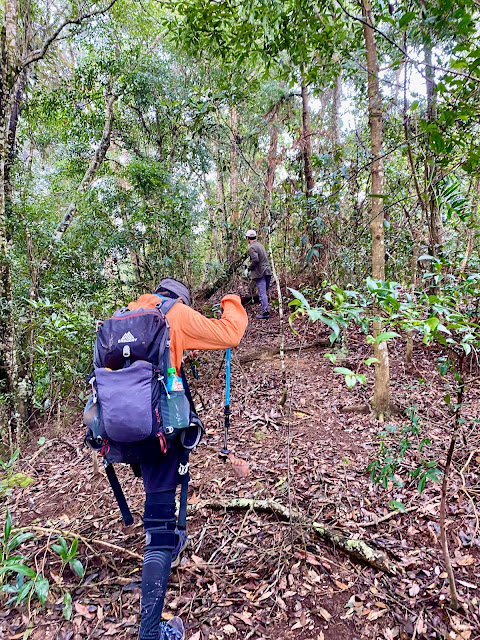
(73, 548)
(373, 285)
(350, 381)
(77, 566)
(344, 370)
(433, 323)
(370, 361)
(333, 326)
(67, 608)
(7, 527)
(388, 335)
(18, 539)
(421, 484)
(18, 568)
(24, 592)
(398, 506)
(426, 256)
(300, 297)
(434, 474)
(467, 348)
(42, 588)
(406, 19)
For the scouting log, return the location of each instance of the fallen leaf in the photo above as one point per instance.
(200, 562)
(196, 636)
(229, 629)
(341, 585)
(240, 466)
(324, 613)
(83, 611)
(374, 615)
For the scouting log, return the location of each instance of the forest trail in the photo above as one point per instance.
(246, 574)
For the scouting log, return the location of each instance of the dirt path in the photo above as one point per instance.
(246, 574)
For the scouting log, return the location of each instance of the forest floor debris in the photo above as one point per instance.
(249, 574)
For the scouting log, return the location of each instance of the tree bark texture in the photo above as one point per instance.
(382, 369)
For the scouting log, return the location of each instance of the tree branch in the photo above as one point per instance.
(40, 53)
(93, 167)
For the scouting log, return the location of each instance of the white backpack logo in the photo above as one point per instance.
(127, 337)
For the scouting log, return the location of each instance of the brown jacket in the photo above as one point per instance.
(259, 265)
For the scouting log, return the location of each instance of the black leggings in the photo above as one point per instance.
(159, 522)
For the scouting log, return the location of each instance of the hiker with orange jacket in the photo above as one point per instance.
(189, 330)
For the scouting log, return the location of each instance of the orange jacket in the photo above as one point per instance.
(190, 330)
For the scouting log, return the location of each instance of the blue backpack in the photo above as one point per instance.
(129, 413)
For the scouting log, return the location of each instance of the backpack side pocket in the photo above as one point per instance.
(175, 411)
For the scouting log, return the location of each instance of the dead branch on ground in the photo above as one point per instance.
(358, 549)
(268, 353)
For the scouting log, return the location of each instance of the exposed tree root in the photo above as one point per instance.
(358, 549)
(268, 353)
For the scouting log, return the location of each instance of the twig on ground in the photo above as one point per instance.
(388, 516)
(87, 541)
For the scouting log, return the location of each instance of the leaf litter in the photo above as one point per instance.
(247, 574)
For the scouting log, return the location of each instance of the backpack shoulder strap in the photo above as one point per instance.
(164, 306)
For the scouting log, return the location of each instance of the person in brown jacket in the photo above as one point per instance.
(260, 271)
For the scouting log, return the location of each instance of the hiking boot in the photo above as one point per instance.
(180, 546)
(172, 629)
(264, 315)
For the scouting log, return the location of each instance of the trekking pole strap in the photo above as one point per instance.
(118, 493)
(182, 512)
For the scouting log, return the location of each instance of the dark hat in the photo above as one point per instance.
(176, 287)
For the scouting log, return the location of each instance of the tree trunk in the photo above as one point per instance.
(435, 223)
(472, 227)
(336, 102)
(234, 212)
(271, 169)
(9, 415)
(381, 399)
(307, 146)
(93, 167)
(11, 139)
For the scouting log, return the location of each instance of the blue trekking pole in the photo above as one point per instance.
(224, 452)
